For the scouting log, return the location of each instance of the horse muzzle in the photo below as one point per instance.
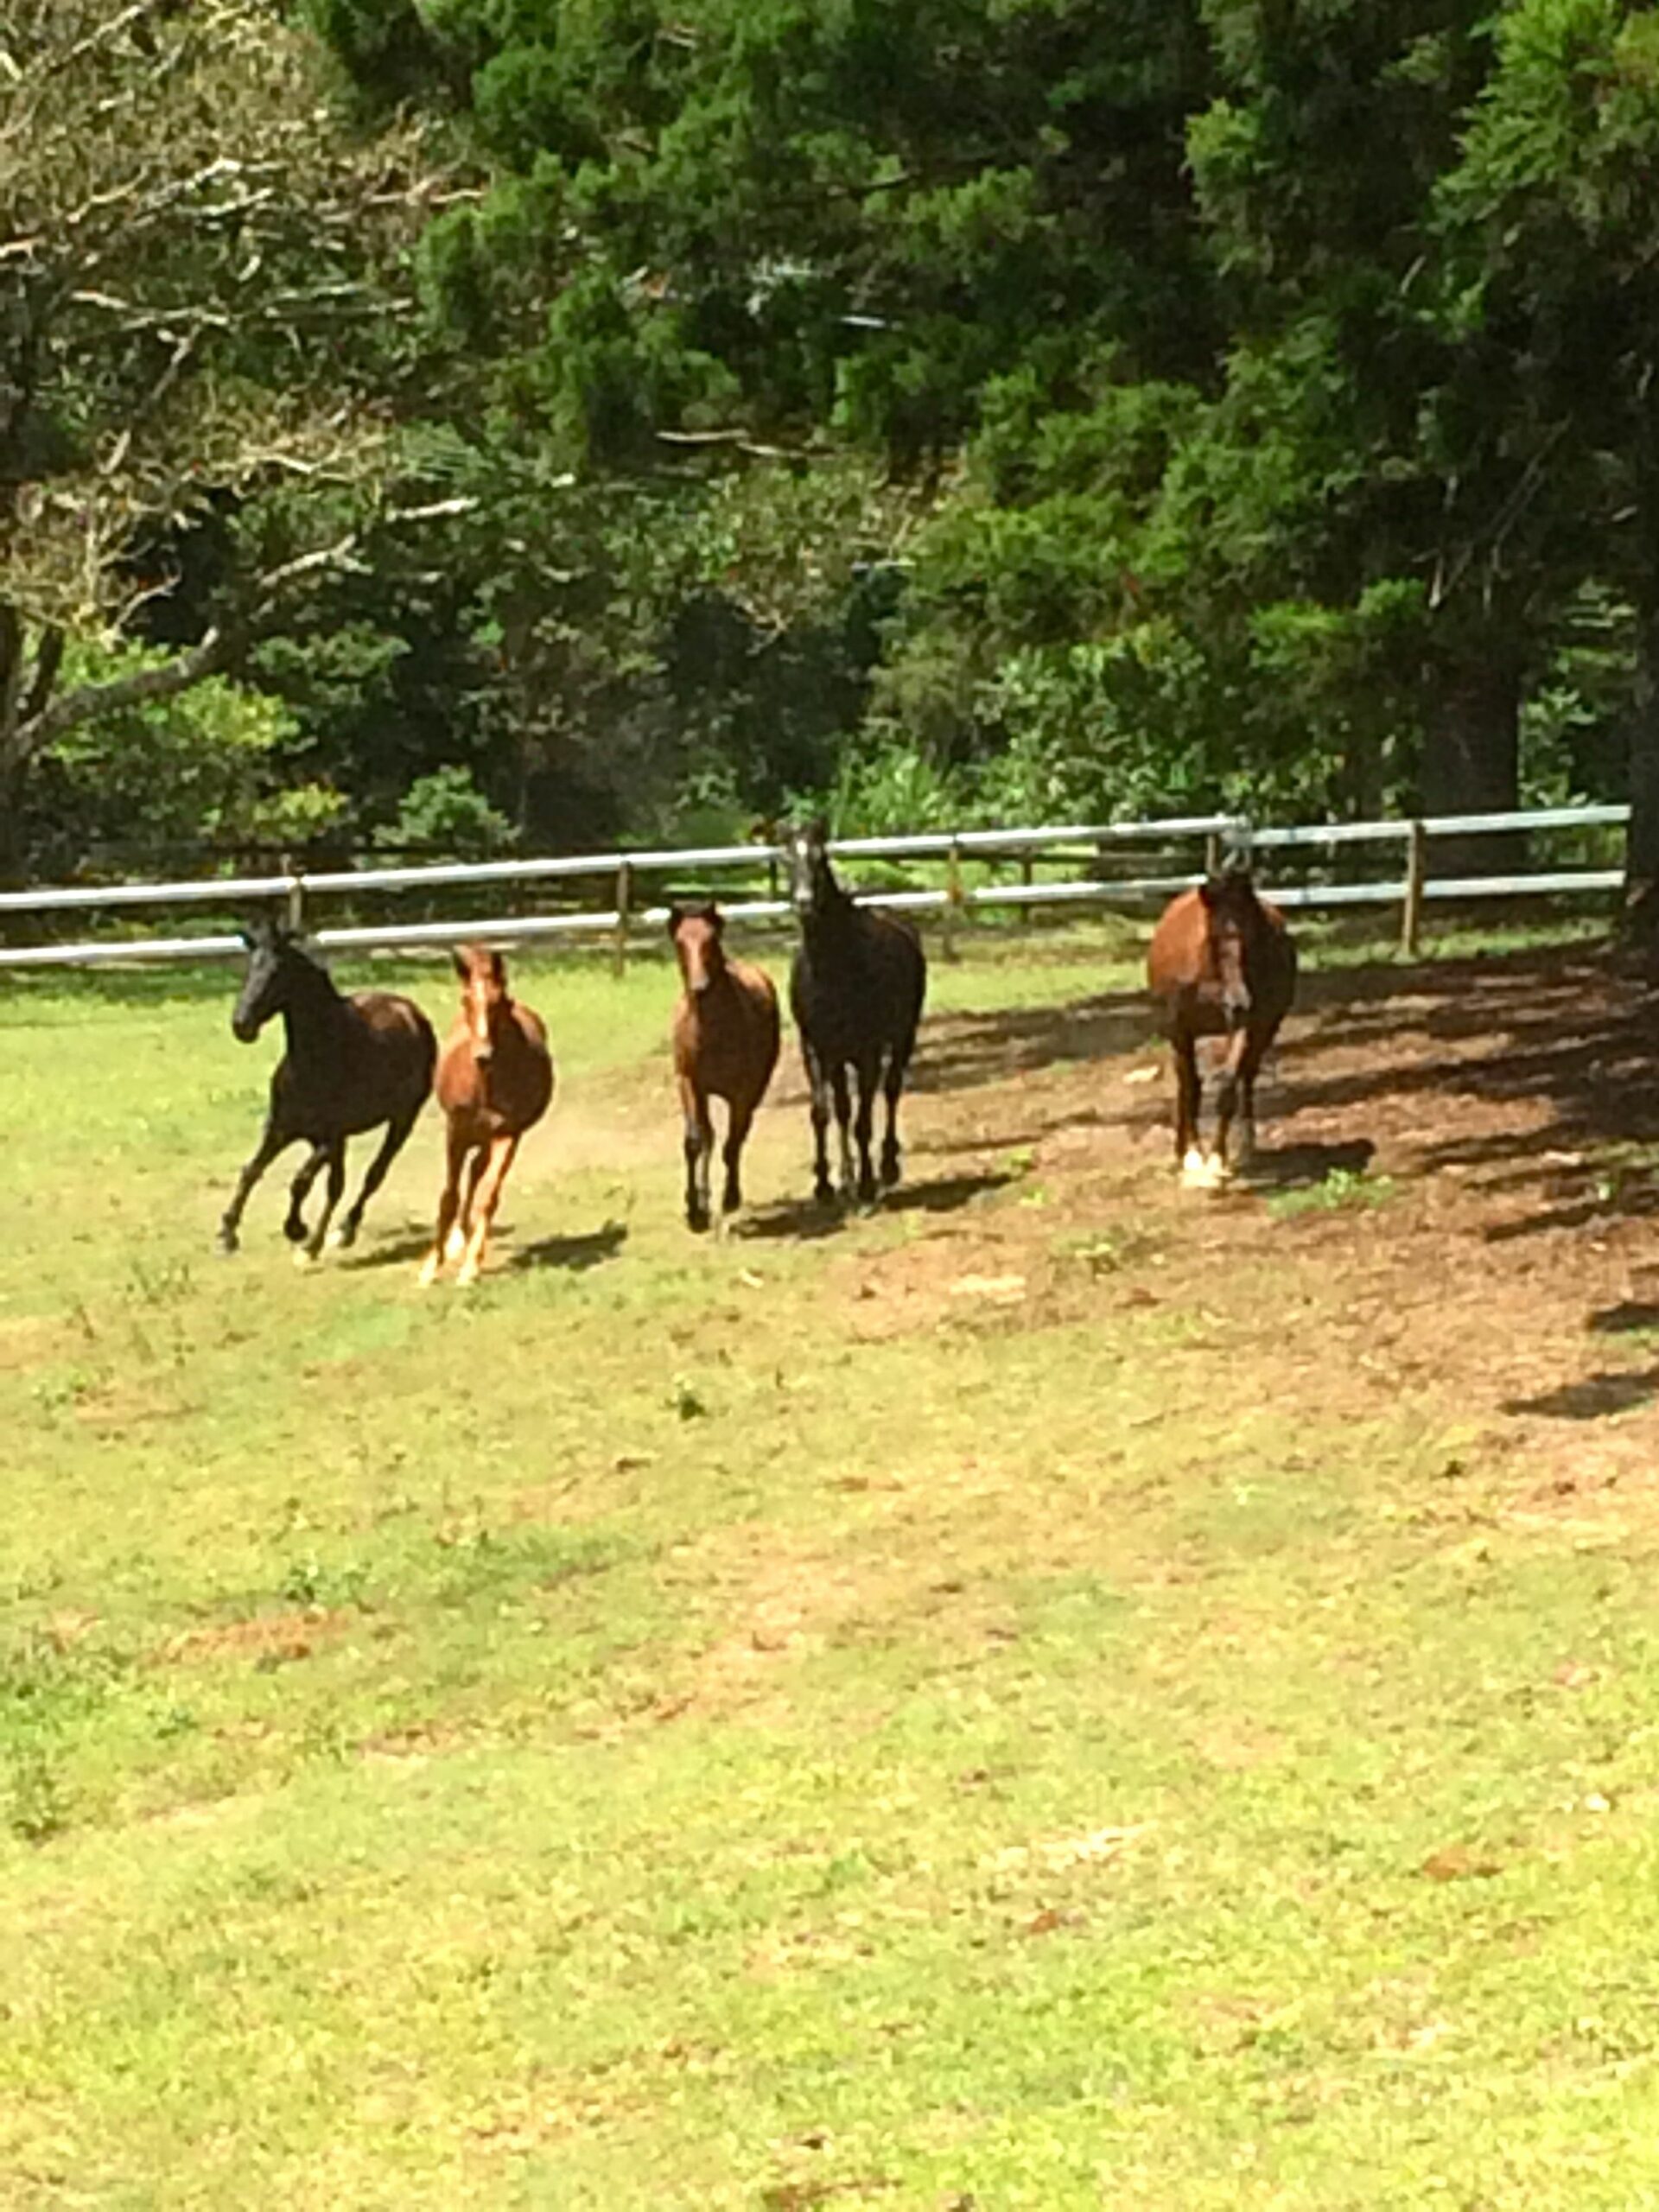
(244, 1028)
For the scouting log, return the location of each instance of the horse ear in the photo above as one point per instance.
(458, 961)
(820, 828)
(1208, 888)
(676, 916)
(247, 936)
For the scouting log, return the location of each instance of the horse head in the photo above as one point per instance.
(1233, 915)
(484, 999)
(813, 885)
(274, 956)
(696, 931)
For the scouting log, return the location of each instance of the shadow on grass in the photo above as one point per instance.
(1304, 1166)
(573, 1254)
(1632, 1317)
(809, 1220)
(1594, 1397)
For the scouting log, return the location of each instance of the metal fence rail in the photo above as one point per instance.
(1089, 844)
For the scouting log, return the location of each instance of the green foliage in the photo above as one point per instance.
(220, 764)
(446, 816)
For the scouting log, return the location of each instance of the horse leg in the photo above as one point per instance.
(838, 1084)
(487, 1198)
(1227, 1095)
(699, 1143)
(738, 1119)
(305, 1253)
(1188, 1095)
(898, 1063)
(868, 1073)
(1249, 1066)
(455, 1158)
(273, 1141)
(392, 1144)
(294, 1227)
(822, 1190)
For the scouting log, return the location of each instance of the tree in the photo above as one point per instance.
(203, 291)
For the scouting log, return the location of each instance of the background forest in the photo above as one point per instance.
(437, 423)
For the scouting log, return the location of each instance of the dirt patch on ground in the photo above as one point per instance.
(1456, 1188)
(266, 1639)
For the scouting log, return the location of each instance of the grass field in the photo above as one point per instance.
(1057, 1695)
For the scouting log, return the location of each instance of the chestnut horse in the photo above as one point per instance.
(351, 1064)
(725, 1032)
(495, 1081)
(1221, 963)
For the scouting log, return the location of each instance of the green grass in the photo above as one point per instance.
(621, 1738)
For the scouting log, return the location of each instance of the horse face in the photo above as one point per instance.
(483, 995)
(698, 945)
(265, 987)
(810, 882)
(1230, 906)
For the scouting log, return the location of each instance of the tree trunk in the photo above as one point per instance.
(1472, 758)
(1641, 847)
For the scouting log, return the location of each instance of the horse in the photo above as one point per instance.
(495, 1081)
(725, 1036)
(351, 1064)
(856, 987)
(1221, 962)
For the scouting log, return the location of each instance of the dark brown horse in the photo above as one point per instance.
(352, 1064)
(855, 987)
(495, 1081)
(725, 1032)
(1222, 963)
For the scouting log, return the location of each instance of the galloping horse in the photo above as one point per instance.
(351, 1064)
(495, 1081)
(855, 988)
(1221, 963)
(725, 1047)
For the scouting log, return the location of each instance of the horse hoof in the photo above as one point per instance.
(304, 1257)
(467, 1278)
(226, 1243)
(697, 1223)
(343, 1238)
(824, 1194)
(890, 1172)
(454, 1245)
(428, 1274)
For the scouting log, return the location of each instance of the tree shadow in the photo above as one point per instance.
(1632, 1317)
(1301, 1166)
(965, 1051)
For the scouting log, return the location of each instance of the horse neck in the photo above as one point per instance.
(833, 923)
(314, 1014)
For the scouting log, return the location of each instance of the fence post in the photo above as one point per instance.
(1213, 854)
(624, 909)
(1027, 876)
(953, 899)
(1411, 918)
(296, 902)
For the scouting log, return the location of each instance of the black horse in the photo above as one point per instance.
(855, 988)
(351, 1064)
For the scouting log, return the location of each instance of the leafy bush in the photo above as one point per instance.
(446, 815)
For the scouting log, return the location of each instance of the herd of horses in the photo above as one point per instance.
(1222, 963)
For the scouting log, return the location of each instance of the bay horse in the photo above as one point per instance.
(856, 987)
(495, 1081)
(1223, 964)
(725, 1036)
(351, 1064)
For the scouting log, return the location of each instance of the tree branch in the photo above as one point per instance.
(140, 688)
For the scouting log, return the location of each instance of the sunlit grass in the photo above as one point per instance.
(623, 1739)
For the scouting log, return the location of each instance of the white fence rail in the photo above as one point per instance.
(296, 891)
